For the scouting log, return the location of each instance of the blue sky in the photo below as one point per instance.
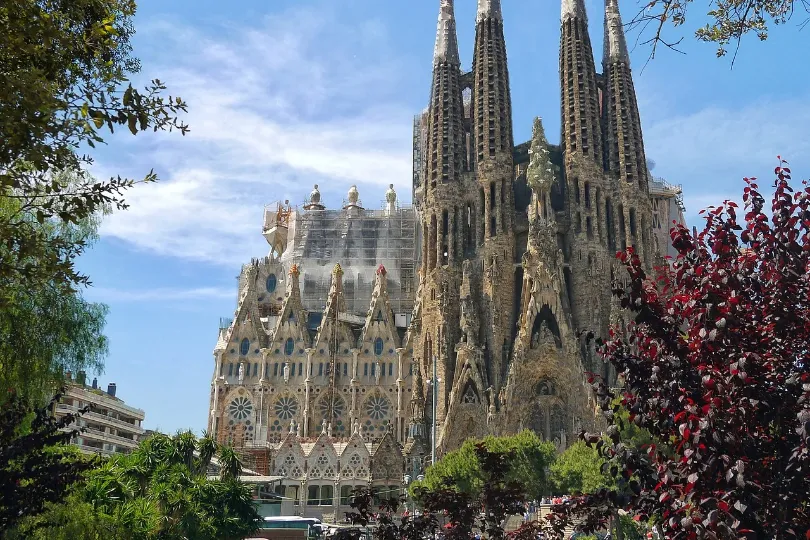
(284, 94)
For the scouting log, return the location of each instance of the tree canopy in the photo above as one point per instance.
(36, 466)
(579, 470)
(532, 456)
(716, 364)
(159, 491)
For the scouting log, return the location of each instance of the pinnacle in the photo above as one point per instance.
(615, 42)
(489, 9)
(573, 9)
(446, 39)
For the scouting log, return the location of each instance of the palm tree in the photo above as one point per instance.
(230, 463)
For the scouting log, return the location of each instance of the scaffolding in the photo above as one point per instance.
(360, 240)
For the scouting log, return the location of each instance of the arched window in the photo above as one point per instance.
(255, 369)
(345, 369)
(379, 315)
(292, 369)
(390, 369)
(320, 369)
(272, 282)
(291, 318)
(230, 370)
(244, 347)
(365, 370)
(587, 195)
(289, 346)
(378, 346)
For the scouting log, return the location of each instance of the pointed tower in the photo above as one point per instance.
(624, 146)
(493, 147)
(581, 132)
(587, 188)
(442, 201)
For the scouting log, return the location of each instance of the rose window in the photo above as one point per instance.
(286, 407)
(338, 407)
(377, 407)
(240, 408)
(354, 460)
(323, 461)
(289, 461)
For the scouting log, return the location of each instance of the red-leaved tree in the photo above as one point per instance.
(716, 366)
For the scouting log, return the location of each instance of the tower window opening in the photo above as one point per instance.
(633, 222)
(587, 195)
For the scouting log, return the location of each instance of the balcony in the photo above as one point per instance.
(92, 433)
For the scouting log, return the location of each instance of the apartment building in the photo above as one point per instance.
(110, 427)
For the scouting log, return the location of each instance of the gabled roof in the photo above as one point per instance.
(379, 311)
(247, 311)
(292, 307)
(332, 326)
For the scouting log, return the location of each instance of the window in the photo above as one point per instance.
(320, 369)
(230, 370)
(244, 347)
(373, 369)
(275, 369)
(346, 495)
(272, 282)
(320, 495)
(221, 369)
(345, 368)
(255, 369)
(390, 369)
(378, 346)
(292, 369)
(365, 370)
(300, 368)
(289, 346)
(410, 369)
(379, 315)
(266, 369)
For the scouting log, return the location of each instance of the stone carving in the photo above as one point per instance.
(241, 373)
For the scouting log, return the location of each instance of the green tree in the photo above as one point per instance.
(579, 470)
(159, 491)
(44, 328)
(462, 467)
(36, 466)
(64, 82)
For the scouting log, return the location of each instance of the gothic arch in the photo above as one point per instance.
(545, 316)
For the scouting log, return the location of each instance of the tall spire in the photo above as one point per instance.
(492, 102)
(615, 42)
(582, 132)
(446, 39)
(489, 9)
(493, 145)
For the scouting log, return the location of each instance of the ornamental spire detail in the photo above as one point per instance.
(615, 42)
(446, 39)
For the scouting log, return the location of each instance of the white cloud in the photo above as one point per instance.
(298, 99)
(710, 151)
(159, 295)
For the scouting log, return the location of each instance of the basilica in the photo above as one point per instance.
(371, 337)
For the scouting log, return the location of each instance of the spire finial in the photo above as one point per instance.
(446, 39)
(615, 42)
(489, 9)
(572, 9)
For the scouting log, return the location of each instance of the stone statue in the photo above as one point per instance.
(323, 427)
(377, 374)
(241, 373)
(286, 373)
(535, 340)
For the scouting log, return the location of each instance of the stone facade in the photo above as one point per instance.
(490, 291)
